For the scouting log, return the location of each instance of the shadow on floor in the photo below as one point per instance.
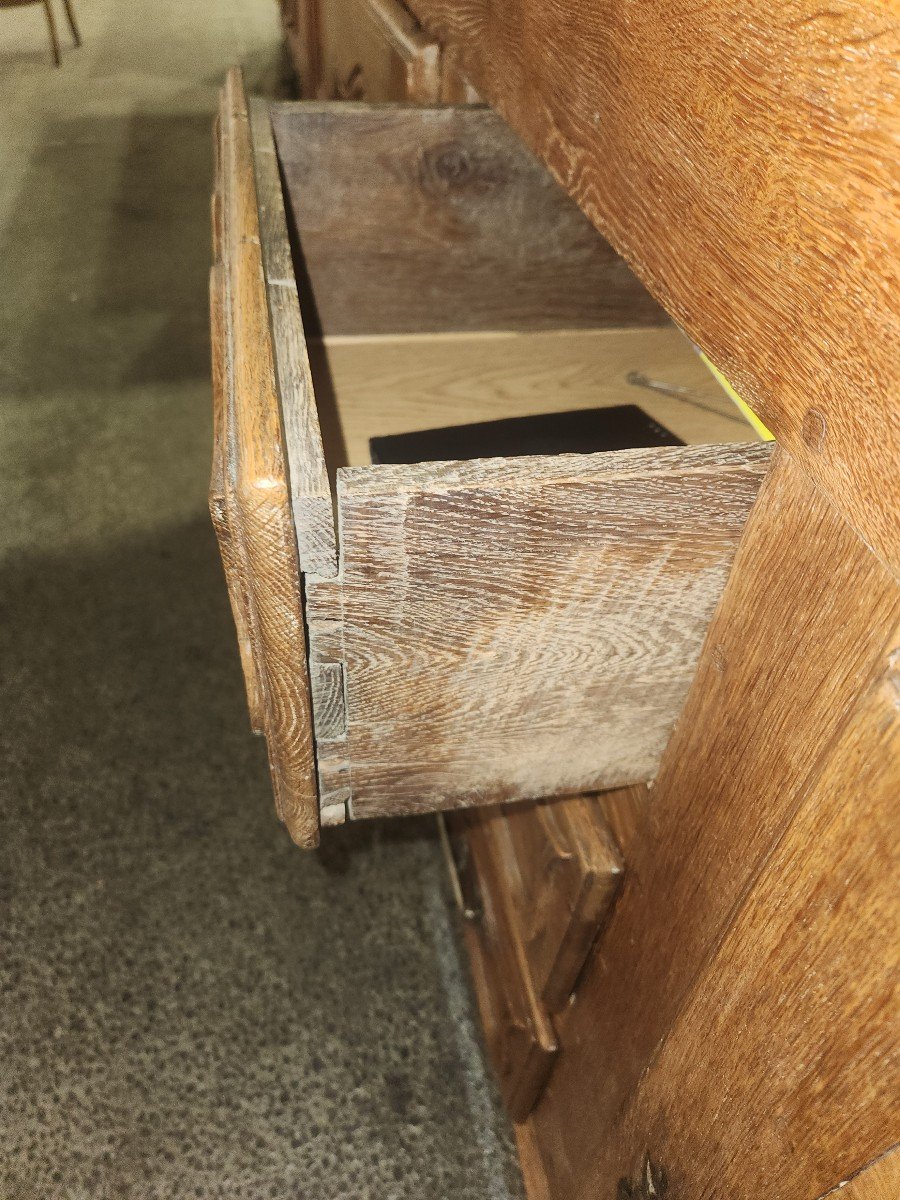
(187, 996)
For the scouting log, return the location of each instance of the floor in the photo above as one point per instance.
(189, 1006)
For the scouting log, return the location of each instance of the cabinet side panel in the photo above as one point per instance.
(804, 619)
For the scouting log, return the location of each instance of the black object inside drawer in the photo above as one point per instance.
(584, 431)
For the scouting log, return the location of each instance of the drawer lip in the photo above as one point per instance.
(382, 479)
(249, 496)
(310, 491)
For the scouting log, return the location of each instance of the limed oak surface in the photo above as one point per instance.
(520, 628)
(411, 220)
(311, 500)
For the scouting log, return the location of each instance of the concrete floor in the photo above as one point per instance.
(189, 1006)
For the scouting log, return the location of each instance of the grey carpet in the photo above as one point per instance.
(189, 1005)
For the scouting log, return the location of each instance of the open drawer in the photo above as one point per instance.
(437, 635)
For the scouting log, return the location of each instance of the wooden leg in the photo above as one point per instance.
(71, 15)
(54, 40)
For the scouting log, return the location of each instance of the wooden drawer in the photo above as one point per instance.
(564, 871)
(478, 632)
(518, 1031)
(537, 883)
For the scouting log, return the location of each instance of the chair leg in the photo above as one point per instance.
(54, 40)
(71, 15)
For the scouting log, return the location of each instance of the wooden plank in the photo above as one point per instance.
(310, 490)
(626, 812)
(374, 50)
(743, 158)
(519, 1035)
(221, 484)
(220, 503)
(782, 1071)
(426, 220)
(880, 1180)
(565, 871)
(375, 386)
(419, 54)
(806, 614)
(262, 500)
(521, 628)
(300, 21)
(455, 88)
(536, 1185)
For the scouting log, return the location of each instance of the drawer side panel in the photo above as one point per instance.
(521, 628)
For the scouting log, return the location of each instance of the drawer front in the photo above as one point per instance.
(249, 494)
(221, 493)
(518, 1031)
(565, 873)
(538, 883)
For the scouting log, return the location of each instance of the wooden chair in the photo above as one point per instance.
(51, 22)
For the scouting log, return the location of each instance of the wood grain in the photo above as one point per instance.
(806, 616)
(455, 87)
(375, 386)
(372, 50)
(221, 498)
(626, 812)
(518, 1032)
(782, 1071)
(311, 500)
(418, 220)
(743, 158)
(419, 55)
(300, 24)
(533, 1176)
(879, 1180)
(564, 872)
(521, 628)
(375, 50)
(262, 501)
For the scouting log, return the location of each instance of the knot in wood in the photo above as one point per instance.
(446, 167)
(651, 1183)
(815, 429)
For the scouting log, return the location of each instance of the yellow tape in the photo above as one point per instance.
(765, 434)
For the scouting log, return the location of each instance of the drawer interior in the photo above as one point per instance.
(444, 277)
